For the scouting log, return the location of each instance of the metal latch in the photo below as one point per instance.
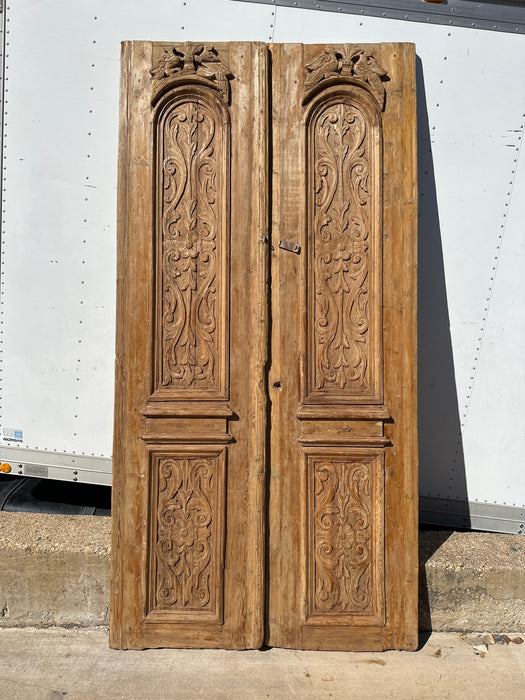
(288, 245)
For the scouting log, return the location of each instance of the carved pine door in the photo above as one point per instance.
(219, 541)
(342, 496)
(190, 417)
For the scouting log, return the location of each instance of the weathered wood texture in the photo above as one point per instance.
(190, 419)
(193, 408)
(343, 497)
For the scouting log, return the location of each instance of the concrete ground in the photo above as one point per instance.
(77, 663)
(54, 591)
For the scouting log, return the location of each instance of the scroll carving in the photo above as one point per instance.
(188, 535)
(201, 61)
(340, 547)
(192, 230)
(354, 64)
(342, 209)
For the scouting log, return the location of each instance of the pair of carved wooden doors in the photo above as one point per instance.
(265, 434)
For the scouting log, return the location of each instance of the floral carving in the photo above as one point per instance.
(191, 213)
(341, 559)
(187, 501)
(190, 60)
(341, 218)
(354, 64)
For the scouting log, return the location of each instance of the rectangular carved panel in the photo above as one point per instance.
(345, 516)
(187, 536)
(192, 230)
(343, 128)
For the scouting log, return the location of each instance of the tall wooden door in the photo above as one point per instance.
(190, 416)
(342, 496)
(265, 471)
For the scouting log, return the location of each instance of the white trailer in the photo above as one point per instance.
(60, 76)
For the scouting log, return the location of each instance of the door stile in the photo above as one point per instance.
(285, 528)
(249, 323)
(400, 344)
(134, 262)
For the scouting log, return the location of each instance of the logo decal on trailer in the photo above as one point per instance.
(12, 435)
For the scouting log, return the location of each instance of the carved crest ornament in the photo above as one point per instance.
(358, 65)
(197, 60)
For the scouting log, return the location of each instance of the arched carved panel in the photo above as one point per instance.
(192, 244)
(344, 297)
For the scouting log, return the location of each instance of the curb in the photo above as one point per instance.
(56, 572)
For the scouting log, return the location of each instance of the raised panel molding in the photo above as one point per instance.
(345, 538)
(192, 234)
(187, 536)
(344, 295)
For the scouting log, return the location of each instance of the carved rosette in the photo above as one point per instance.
(187, 549)
(344, 517)
(192, 236)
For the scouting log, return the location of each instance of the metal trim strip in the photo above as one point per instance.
(492, 16)
(55, 459)
(491, 517)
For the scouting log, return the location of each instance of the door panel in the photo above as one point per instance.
(342, 556)
(190, 419)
